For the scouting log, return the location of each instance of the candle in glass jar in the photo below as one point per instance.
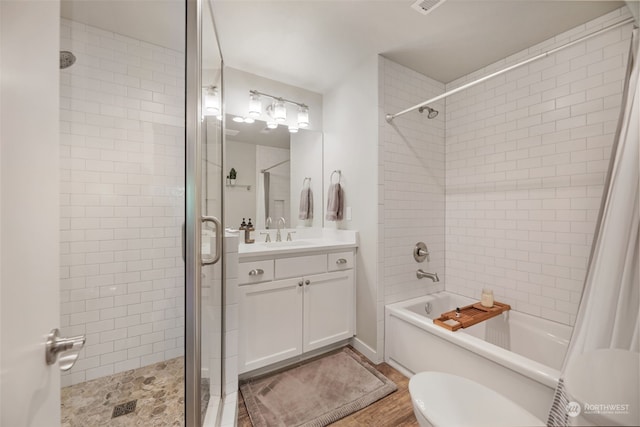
(487, 298)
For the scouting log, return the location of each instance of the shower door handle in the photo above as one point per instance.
(219, 235)
(67, 348)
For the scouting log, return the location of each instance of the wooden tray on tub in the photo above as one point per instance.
(470, 315)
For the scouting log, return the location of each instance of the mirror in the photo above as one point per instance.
(269, 171)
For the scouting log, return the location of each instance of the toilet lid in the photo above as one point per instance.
(450, 400)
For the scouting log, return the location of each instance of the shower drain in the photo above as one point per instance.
(124, 408)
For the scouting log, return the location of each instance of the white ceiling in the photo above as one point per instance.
(313, 43)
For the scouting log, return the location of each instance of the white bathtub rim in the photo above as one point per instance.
(537, 371)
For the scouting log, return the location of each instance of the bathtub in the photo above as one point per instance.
(515, 354)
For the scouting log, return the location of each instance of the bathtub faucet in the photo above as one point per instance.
(421, 274)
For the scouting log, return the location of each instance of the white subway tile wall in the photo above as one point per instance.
(526, 159)
(411, 184)
(122, 201)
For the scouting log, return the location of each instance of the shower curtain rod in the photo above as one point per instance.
(390, 117)
(277, 164)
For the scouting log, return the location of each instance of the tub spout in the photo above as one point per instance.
(421, 274)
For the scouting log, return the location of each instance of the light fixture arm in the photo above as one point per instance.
(278, 98)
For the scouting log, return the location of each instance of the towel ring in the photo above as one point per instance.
(339, 172)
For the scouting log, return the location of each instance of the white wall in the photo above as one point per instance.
(29, 195)
(527, 154)
(237, 86)
(411, 194)
(634, 8)
(240, 202)
(306, 161)
(350, 145)
(122, 201)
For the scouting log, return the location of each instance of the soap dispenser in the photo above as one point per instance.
(248, 232)
(243, 225)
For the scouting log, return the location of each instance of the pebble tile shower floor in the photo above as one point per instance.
(158, 392)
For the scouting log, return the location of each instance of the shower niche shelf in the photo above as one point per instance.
(470, 315)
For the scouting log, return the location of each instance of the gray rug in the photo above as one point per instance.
(316, 393)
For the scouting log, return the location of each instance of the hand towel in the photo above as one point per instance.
(335, 203)
(306, 204)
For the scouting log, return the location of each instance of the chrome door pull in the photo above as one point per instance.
(219, 234)
(340, 261)
(256, 272)
(56, 345)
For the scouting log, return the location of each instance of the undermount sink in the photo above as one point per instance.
(284, 244)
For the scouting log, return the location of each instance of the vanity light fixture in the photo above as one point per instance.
(303, 116)
(240, 119)
(272, 124)
(211, 101)
(293, 129)
(277, 110)
(255, 105)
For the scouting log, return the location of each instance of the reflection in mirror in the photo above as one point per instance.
(268, 171)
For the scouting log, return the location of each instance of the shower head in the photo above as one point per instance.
(432, 113)
(67, 59)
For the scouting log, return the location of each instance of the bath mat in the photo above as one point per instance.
(315, 393)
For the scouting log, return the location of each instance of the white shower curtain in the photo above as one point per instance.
(608, 317)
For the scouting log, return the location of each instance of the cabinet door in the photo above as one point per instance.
(270, 323)
(328, 309)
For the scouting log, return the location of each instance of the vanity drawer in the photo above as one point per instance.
(340, 261)
(255, 271)
(300, 266)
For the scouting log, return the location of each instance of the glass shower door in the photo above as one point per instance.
(204, 230)
(211, 205)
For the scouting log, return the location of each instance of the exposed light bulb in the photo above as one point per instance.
(303, 117)
(249, 120)
(293, 129)
(279, 111)
(238, 119)
(255, 105)
(272, 124)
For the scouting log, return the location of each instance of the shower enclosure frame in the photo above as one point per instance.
(194, 217)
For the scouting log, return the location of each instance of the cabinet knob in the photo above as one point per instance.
(300, 283)
(256, 272)
(307, 282)
(340, 261)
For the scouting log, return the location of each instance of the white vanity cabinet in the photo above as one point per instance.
(270, 323)
(328, 309)
(283, 318)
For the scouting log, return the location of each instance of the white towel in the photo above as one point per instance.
(335, 203)
(306, 204)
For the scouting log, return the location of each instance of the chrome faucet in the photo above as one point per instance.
(278, 235)
(421, 274)
(267, 223)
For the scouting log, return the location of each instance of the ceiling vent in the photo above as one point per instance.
(426, 6)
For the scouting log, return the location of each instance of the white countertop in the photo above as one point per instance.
(304, 241)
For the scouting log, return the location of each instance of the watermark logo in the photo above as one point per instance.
(606, 408)
(573, 409)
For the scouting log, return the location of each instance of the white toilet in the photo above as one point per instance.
(442, 400)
